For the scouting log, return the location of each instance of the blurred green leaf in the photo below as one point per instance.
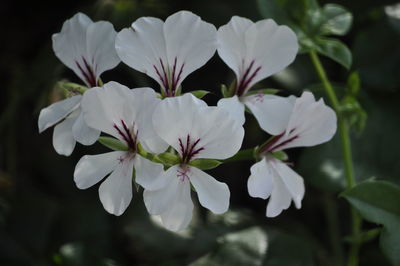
(113, 143)
(200, 93)
(168, 158)
(205, 164)
(353, 83)
(335, 50)
(288, 249)
(280, 155)
(243, 248)
(378, 202)
(335, 20)
(377, 57)
(356, 116)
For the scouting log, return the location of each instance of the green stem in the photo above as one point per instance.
(346, 151)
(332, 220)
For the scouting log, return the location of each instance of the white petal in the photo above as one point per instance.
(116, 191)
(231, 45)
(83, 133)
(92, 168)
(70, 44)
(213, 195)
(102, 107)
(190, 41)
(293, 182)
(259, 49)
(311, 123)
(100, 43)
(271, 46)
(54, 113)
(147, 172)
(63, 140)
(272, 112)
(234, 107)
(143, 102)
(179, 214)
(280, 199)
(175, 116)
(260, 182)
(287, 185)
(142, 46)
(166, 188)
(219, 135)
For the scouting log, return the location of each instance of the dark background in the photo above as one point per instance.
(46, 220)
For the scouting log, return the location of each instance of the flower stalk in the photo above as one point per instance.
(344, 134)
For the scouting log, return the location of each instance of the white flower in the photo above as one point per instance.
(305, 122)
(195, 131)
(254, 51)
(125, 114)
(167, 51)
(88, 49)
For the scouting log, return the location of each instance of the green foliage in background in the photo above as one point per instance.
(45, 220)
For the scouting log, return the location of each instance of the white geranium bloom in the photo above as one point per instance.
(195, 131)
(254, 51)
(302, 122)
(125, 114)
(167, 51)
(88, 49)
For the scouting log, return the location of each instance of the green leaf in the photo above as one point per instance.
(364, 237)
(70, 89)
(275, 10)
(113, 143)
(378, 202)
(335, 20)
(351, 109)
(168, 158)
(353, 83)
(200, 93)
(335, 50)
(205, 164)
(243, 248)
(280, 155)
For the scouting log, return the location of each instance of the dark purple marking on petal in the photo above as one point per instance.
(247, 77)
(189, 150)
(271, 147)
(162, 71)
(128, 135)
(183, 173)
(87, 72)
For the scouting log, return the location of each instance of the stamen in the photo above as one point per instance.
(189, 150)
(128, 135)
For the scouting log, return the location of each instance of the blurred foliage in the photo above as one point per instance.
(46, 220)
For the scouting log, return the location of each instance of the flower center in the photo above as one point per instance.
(169, 77)
(247, 77)
(87, 72)
(128, 134)
(189, 148)
(183, 173)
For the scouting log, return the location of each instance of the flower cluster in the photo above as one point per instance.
(164, 142)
